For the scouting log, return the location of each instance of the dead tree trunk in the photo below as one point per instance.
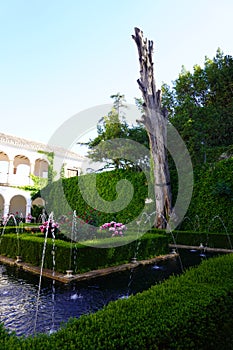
(155, 121)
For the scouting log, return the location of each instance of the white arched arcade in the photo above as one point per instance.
(24, 161)
(16, 168)
(14, 200)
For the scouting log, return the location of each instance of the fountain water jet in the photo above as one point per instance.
(48, 228)
(134, 261)
(224, 226)
(73, 238)
(42, 217)
(6, 221)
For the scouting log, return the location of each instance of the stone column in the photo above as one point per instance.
(10, 171)
(32, 170)
(28, 206)
(6, 209)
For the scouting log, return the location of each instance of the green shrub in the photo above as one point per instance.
(65, 196)
(79, 257)
(211, 205)
(210, 208)
(210, 239)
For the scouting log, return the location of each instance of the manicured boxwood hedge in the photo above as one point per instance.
(211, 240)
(9, 229)
(190, 311)
(87, 258)
(211, 206)
(64, 196)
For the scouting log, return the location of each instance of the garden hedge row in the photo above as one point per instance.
(83, 258)
(190, 311)
(211, 206)
(211, 240)
(64, 196)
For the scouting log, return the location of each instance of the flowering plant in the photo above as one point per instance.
(51, 226)
(29, 218)
(116, 228)
(80, 227)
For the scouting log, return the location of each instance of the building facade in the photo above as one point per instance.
(20, 161)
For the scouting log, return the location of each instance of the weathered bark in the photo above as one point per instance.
(155, 121)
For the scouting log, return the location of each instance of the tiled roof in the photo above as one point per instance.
(36, 146)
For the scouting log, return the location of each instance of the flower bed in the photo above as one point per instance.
(114, 228)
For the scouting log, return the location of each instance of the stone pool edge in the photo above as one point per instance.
(64, 278)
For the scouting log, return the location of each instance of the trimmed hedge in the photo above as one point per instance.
(211, 240)
(190, 311)
(64, 196)
(83, 258)
(211, 206)
(10, 229)
(190, 238)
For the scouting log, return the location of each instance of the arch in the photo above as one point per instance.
(39, 202)
(4, 157)
(20, 160)
(21, 170)
(18, 205)
(41, 168)
(4, 167)
(38, 207)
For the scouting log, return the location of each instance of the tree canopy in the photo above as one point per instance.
(113, 127)
(200, 103)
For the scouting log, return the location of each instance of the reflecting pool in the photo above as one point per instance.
(58, 302)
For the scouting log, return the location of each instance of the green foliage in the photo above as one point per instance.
(36, 211)
(223, 189)
(87, 258)
(112, 128)
(212, 196)
(210, 239)
(8, 229)
(64, 196)
(191, 311)
(211, 205)
(51, 172)
(200, 105)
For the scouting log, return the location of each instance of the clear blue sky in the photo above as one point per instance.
(59, 57)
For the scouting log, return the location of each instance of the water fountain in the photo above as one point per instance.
(134, 260)
(225, 229)
(73, 247)
(21, 224)
(149, 217)
(7, 220)
(81, 297)
(49, 229)
(42, 217)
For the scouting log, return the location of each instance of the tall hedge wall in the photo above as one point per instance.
(211, 207)
(64, 195)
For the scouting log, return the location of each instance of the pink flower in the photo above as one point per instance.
(116, 227)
